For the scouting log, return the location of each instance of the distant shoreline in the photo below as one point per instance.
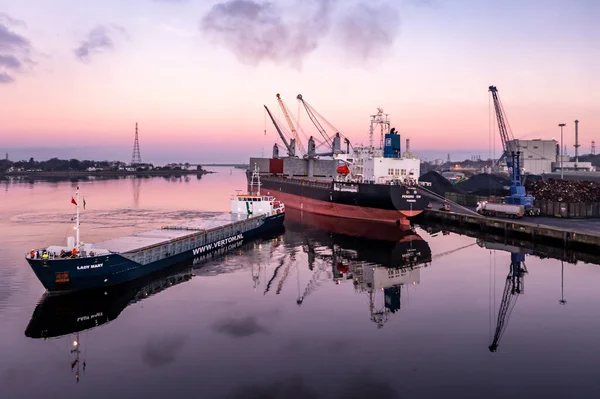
(83, 173)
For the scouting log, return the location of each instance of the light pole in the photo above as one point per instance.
(561, 149)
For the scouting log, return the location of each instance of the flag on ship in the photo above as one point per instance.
(73, 201)
(83, 202)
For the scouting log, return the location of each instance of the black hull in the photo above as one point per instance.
(64, 275)
(407, 200)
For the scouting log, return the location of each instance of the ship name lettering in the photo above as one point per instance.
(85, 267)
(217, 244)
(85, 318)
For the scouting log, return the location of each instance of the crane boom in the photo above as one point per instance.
(512, 288)
(290, 149)
(506, 135)
(290, 123)
(314, 120)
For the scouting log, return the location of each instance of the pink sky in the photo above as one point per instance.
(194, 92)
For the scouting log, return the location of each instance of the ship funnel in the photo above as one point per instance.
(275, 151)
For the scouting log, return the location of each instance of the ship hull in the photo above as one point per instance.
(76, 274)
(375, 202)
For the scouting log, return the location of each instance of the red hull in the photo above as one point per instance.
(343, 211)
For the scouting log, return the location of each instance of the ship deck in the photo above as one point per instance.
(168, 233)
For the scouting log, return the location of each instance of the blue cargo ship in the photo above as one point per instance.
(79, 266)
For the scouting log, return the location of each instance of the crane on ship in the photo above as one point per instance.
(291, 145)
(286, 114)
(510, 154)
(332, 142)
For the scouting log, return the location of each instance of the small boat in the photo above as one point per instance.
(78, 266)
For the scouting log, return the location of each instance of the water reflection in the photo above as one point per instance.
(378, 258)
(378, 262)
(513, 287)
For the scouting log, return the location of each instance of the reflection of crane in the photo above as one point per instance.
(442, 254)
(314, 282)
(286, 271)
(291, 125)
(281, 263)
(512, 288)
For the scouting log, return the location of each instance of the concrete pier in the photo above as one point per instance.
(569, 234)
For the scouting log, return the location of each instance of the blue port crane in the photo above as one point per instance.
(518, 194)
(512, 288)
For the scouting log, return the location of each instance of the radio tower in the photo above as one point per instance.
(136, 158)
(593, 147)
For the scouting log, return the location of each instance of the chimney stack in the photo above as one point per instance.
(576, 142)
(407, 145)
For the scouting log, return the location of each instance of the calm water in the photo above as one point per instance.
(309, 313)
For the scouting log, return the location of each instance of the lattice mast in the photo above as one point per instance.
(136, 158)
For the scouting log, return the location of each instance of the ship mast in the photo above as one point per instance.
(257, 184)
(77, 220)
(382, 120)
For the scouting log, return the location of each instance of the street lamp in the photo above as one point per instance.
(561, 149)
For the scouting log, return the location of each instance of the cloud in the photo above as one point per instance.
(14, 49)
(292, 387)
(256, 31)
(239, 328)
(161, 351)
(7, 20)
(6, 78)
(366, 30)
(10, 62)
(98, 40)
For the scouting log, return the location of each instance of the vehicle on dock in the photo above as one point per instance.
(493, 209)
(79, 266)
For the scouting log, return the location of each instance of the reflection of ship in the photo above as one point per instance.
(379, 258)
(74, 312)
(58, 315)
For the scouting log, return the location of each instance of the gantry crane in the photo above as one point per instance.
(291, 124)
(518, 195)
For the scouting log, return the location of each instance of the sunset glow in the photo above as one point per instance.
(79, 74)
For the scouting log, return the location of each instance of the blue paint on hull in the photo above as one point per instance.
(117, 269)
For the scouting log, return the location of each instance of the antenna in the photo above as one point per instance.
(593, 147)
(136, 158)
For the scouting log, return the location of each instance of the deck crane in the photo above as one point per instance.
(518, 195)
(291, 146)
(291, 124)
(334, 144)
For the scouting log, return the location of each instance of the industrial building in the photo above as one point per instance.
(537, 156)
